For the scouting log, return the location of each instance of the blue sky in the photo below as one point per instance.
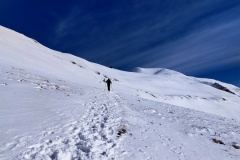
(196, 37)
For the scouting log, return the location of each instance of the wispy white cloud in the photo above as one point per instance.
(189, 37)
(214, 44)
(212, 47)
(66, 24)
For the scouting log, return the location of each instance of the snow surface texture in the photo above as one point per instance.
(55, 106)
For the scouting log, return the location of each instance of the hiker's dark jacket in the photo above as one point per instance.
(108, 84)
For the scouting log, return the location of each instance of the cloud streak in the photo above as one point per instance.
(191, 37)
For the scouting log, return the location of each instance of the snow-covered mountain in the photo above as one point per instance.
(56, 106)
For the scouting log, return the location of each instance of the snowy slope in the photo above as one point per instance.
(55, 106)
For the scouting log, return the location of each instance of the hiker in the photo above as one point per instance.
(108, 83)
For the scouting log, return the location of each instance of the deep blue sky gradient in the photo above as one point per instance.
(196, 37)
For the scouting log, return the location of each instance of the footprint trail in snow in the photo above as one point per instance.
(94, 136)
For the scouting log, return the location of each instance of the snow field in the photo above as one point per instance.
(55, 106)
(94, 136)
(83, 123)
(163, 131)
